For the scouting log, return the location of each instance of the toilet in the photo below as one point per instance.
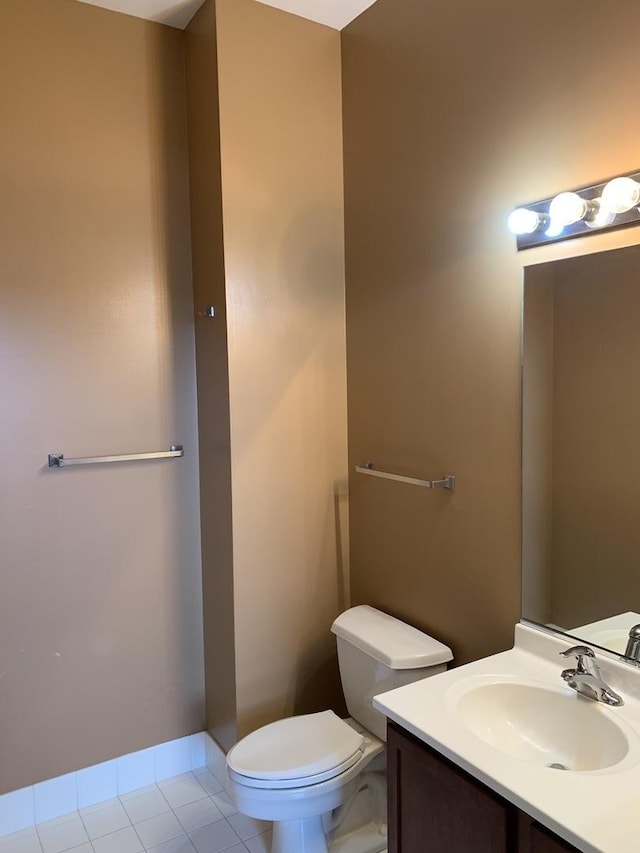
(321, 779)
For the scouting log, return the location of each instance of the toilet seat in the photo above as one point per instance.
(296, 752)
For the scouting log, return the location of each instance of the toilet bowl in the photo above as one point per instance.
(319, 778)
(298, 771)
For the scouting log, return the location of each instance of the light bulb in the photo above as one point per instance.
(600, 215)
(567, 208)
(621, 194)
(555, 228)
(523, 221)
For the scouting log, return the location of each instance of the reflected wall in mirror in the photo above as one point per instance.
(581, 446)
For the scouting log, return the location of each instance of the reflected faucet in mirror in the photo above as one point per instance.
(632, 650)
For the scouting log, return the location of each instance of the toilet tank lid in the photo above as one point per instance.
(388, 640)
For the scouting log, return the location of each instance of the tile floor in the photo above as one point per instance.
(186, 814)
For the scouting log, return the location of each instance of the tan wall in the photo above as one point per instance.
(213, 375)
(281, 138)
(100, 612)
(454, 113)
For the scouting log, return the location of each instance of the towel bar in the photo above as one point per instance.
(448, 481)
(57, 460)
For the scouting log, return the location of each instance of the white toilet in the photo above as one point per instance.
(320, 779)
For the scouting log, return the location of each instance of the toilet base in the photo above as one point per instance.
(357, 826)
(360, 826)
(371, 838)
(306, 834)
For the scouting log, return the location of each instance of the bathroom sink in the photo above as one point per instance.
(547, 726)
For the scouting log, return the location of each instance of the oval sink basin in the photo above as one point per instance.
(546, 726)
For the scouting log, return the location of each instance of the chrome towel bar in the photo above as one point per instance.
(448, 481)
(57, 460)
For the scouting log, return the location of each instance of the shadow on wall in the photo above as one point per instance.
(313, 681)
(171, 240)
(289, 322)
(341, 515)
(316, 683)
(287, 355)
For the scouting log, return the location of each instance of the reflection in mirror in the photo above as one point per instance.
(581, 446)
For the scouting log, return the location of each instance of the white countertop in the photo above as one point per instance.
(596, 811)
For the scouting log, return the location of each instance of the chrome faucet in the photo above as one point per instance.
(586, 678)
(633, 644)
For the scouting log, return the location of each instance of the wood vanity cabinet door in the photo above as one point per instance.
(436, 807)
(534, 838)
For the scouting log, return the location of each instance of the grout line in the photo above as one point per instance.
(86, 830)
(138, 837)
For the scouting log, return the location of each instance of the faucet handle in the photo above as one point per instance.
(579, 652)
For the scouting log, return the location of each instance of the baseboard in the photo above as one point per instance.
(91, 785)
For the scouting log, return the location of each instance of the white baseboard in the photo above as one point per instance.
(215, 758)
(56, 797)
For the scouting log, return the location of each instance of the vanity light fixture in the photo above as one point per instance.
(610, 204)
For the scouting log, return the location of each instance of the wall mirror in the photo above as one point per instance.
(581, 446)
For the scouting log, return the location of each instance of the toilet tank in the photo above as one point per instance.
(377, 652)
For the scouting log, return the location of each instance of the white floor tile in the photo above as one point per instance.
(203, 819)
(247, 827)
(194, 815)
(138, 792)
(214, 837)
(259, 844)
(186, 790)
(173, 780)
(209, 782)
(224, 803)
(123, 841)
(182, 844)
(98, 806)
(148, 805)
(158, 829)
(63, 837)
(105, 821)
(43, 826)
(26, 841)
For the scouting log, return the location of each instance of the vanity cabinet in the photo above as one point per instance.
(535, 838)
(435, 806)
